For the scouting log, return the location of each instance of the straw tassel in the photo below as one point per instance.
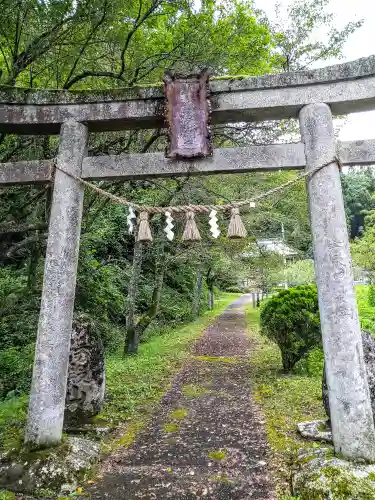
(191, 232)
(236, 228)
(144, 231)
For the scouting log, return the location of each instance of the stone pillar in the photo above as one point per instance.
(349, 397)
(48, 389)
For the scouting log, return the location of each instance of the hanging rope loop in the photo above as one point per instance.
(197, 209)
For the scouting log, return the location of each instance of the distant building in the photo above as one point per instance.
(272, 245)
(275, 245)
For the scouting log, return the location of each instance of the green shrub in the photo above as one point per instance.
(311, 364)
(291, 319)
(371, 295)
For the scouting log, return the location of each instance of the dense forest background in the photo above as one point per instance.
(128, 290)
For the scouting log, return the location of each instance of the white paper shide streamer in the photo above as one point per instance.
(214, 228)
(168, 228)
(129, 219)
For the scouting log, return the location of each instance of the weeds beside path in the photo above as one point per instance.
(285, 400)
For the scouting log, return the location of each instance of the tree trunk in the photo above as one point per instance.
(212, 296)
(131, 342)
(146, 319)
(210, 284)
(32, 265)
(197, 294)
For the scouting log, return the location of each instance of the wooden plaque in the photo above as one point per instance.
(187, 115)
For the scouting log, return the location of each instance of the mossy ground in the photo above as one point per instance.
(285, 399)
(217, 359)
(217, 455)
(194, 390)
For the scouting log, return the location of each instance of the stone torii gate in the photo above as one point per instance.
(312, 96)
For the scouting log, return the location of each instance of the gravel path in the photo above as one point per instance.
(206, 438)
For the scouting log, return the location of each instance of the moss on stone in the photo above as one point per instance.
(218, 455)
(337, 483)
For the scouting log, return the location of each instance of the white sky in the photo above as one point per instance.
(360, 44)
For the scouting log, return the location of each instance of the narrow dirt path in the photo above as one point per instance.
(206, 439)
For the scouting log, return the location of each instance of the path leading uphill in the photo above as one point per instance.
(206, 439)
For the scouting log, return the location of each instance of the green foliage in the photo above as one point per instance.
(311, 364)
(365, 309)
(371, 295)
(358, 190)
(16, 366)
(7, 495)
(291, 319)
(363, 248)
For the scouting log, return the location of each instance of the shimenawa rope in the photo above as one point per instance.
(196, 209)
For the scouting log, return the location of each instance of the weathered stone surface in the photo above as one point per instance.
(320, 476)
(351, 414)
(67, 464)
(224, 160)
(86, 377)
(48, 388)
(346, 88)
(368, 343)
(25, 172)
(317, 430)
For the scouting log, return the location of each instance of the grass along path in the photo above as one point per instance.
(136, 384)
(285, 400)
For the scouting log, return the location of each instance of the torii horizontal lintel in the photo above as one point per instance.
(346, 88)
(124, 167)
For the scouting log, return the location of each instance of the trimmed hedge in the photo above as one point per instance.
(291, 319)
